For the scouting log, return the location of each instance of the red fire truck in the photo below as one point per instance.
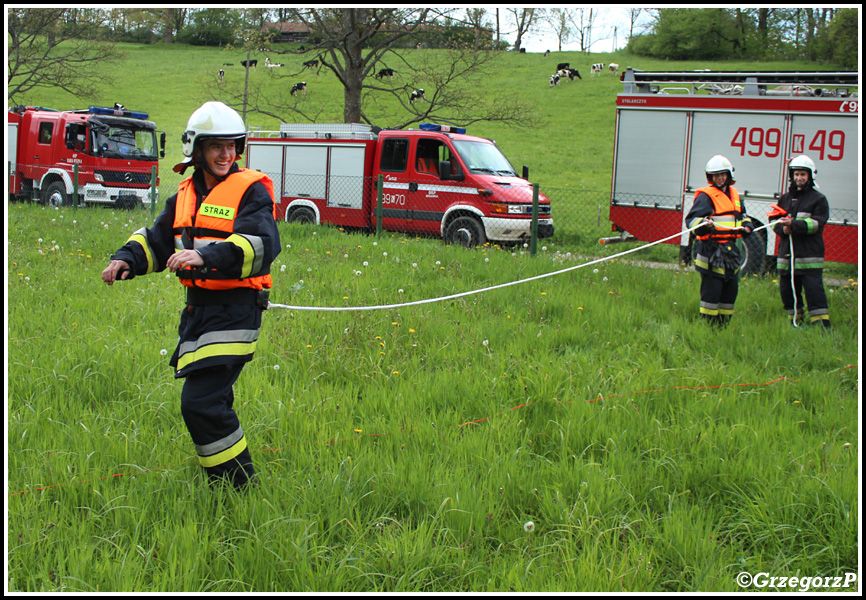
(669, 124)
(114, 149)
(436, 180)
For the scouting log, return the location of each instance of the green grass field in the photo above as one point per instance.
(408, 449)
(583, 432)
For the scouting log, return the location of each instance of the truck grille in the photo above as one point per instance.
(124, 177)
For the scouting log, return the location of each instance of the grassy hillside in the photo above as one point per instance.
(571, 145)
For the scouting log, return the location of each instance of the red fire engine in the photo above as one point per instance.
(669, 124)
(114, 149)
(436, 180)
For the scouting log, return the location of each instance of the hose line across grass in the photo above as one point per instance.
(490, 288)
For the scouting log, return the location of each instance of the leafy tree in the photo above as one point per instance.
(211, 27)
(53, 47)
(354, 43)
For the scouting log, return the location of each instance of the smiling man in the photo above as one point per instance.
(219, 236)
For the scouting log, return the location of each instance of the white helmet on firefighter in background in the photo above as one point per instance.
(212, 120)
(719, 164)
(802, 163)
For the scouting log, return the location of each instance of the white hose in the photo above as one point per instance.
(486, 289)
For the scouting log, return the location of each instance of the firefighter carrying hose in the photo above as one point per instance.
(219, 236)
(804, 212)
(717, 257)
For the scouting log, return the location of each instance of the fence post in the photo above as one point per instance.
(152, 191)
(379, 186)
(533, 228)
(75, 186)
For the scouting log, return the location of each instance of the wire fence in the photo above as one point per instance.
(507, 211)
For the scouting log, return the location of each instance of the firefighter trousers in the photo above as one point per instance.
(718, 295)
(206, 404)
(812, 284)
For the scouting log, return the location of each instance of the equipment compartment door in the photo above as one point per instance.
(346, 177)
(650, 158)
(753, 142)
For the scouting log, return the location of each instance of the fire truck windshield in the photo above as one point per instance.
(484, 157)
(122, 140)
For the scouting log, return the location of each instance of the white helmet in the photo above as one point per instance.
(212, 120)
(719, 164)
(803, 163)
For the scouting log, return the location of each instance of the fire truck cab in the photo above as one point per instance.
(114, 149)
(437, 180)
(669, 124)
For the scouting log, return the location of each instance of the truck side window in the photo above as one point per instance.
(427, 156)
(395, 155)
(45, 130)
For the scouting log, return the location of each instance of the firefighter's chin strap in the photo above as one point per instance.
(494, 287)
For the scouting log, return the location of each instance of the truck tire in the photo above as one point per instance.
(302, 214)
(55, 196)
(465, 231)
(754, 250)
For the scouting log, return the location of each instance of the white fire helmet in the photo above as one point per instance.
(719, 164)
(802, 163)
(212, 120)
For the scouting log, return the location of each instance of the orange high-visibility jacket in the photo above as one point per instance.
(727, 212)
(214, 222)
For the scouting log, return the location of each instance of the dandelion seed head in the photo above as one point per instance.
(529, 527)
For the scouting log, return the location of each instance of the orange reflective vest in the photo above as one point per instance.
(727, 213)
(214, 222)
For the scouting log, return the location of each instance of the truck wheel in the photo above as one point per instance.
(753, 249)
(302, 214)
(55, 196)
(465, 231)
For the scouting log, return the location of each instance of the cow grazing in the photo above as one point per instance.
(612, 67)
(385, 73)
(250, 63)
(554, 80)
(562, 66)
(596, 68)
(312, 64)
(222, 74)
(416, 95)
(572, 73)
(299, 87)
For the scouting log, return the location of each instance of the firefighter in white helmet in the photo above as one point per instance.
(719, 207)
(801, 243)
(219, 236)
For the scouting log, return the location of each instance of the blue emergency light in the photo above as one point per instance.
(442, 128)
(117, 112)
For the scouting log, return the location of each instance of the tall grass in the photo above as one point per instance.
(406, 450)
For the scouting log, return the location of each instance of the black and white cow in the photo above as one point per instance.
(268, 63)
(252, 63)
(299, 87)
(554, 79)
(416, 95)
(222, 74)
(612, 67)
(562, 66)
(312, 64)
(385, 73)
(596, 68)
